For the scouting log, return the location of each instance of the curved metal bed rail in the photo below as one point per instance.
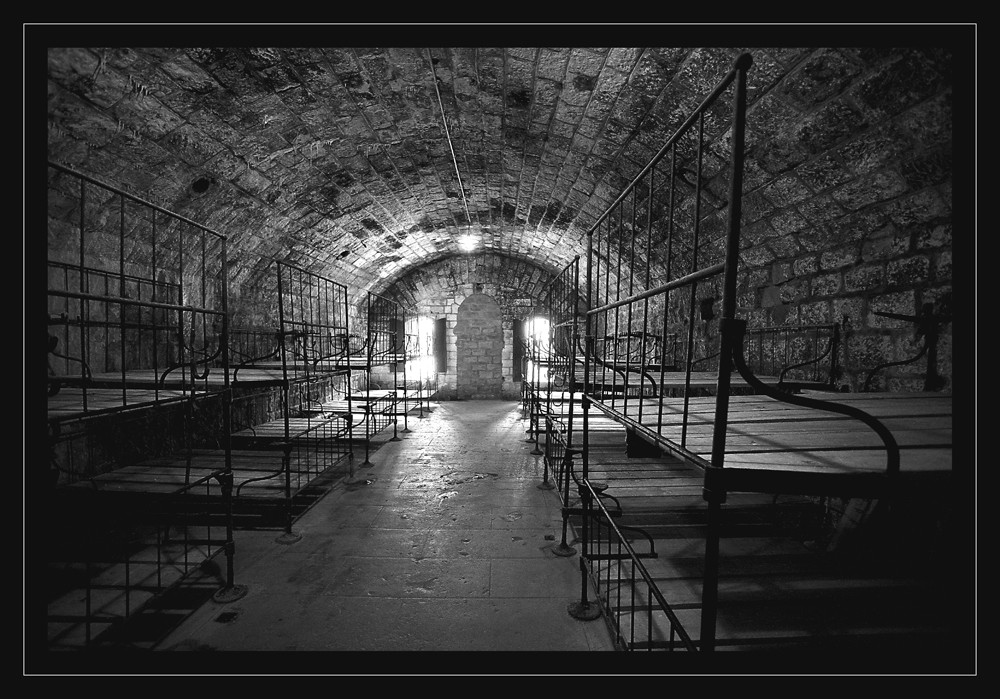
(55, 381)
(248, 361)
(928, 326)
(830, 351)
(585, 355)
(199, 356)
(734, 329)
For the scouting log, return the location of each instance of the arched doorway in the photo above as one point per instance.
(479, 346)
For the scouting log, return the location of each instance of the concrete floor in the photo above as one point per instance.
(446, 544)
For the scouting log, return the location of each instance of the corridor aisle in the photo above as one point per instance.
(446, 544)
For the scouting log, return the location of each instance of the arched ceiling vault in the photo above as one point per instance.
(363, 164)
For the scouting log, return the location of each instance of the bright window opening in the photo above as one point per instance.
(536, 329)
(425, 331)
(424, 364)
(421, 367)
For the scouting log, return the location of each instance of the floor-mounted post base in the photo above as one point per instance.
(230, 593)
(564, 550)
(584, 611)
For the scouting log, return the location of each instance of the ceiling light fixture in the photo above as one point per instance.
(468, 243)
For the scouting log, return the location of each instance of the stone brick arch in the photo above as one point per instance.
(479, 348)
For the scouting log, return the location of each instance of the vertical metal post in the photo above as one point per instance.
(618, 295)
(564, 549)
(230, 591)
(713, 494)
(369, 408)
(537, 369)
(835, 350)
(645, 302)
(533, 397)
(629, 314)
(84, 305)
(204, 303)
(572, 353)
(401, 347)
(347, 379)
(694, 266)
(181, 353)
(121, 293)
(153, 312)
(666, 294)
(584, 610)
(287, 537)
(605, 298)
(421, 381)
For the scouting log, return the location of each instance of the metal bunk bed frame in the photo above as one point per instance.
(693, 428)
(382, 344)
(133, 335)
(283, 458)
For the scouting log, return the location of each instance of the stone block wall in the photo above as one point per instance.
(439, 290)
(849, 209)
(479, 343)
(848, 214)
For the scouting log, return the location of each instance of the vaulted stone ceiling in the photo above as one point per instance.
(364, 164)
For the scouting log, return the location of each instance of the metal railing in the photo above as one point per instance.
(137, 295)
(638, 615)
(928, 325)
(798, 356)
(657, 252)
(312, 322)
(138, 372)
(684, 210)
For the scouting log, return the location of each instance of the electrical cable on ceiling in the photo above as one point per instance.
(447, 135)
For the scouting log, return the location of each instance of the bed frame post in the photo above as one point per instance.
(288, 536)
(230, 591)
(713, 495)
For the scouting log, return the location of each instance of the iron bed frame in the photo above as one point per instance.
(286, 446)
(137, 313)
(690, 247)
